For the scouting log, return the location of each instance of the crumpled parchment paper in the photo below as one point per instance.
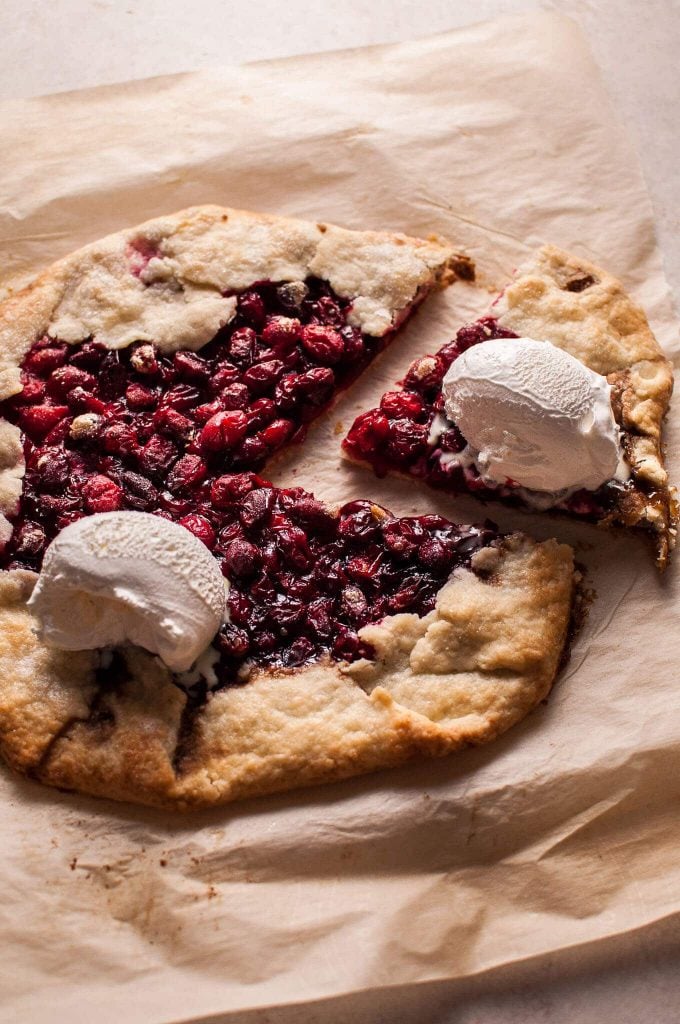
(565, 831)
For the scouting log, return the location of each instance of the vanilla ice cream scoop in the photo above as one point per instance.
(533, 414)
(130, 577)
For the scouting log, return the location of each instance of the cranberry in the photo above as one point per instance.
(43, 361)
(407, 439)
(299, 652)
(243, 345)
(157, 455)
(348, 647)
(38, 420)
(359, 520)
(251, 307)
(355, 348)
(313, 514)
(326, 311)
(225, 490)
(369, 432)
(240, 607)
(89, 355)
(452, 440)
(66, 378)
(33, 390)
(140, 493)
(291, 543)
(402, 405)
(233, 642)
(143, 359)
(256, 506)
(235, 396)
(54, 468)
(319, 617)
(324, 344)
(112, 377)
(181, 397)
(81, 401)
(285, 612)
(225, 375)
(314, 386)
(281, 332)
(200, 527)
(425, 374)
(223, 431)
(262, 377)
(202, 413)
(187, 473)
(277, 433)
(191, 367)
(252, 451)
(120, 439)
(261, 412)
(402, 537)
(139, 397)
(30, 539)
(174, 424)
(101, 494)
(241, 559)
(435, 553)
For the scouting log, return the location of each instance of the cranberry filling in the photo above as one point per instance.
(136, 429)
(396, 436)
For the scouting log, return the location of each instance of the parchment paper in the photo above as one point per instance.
(563, 832)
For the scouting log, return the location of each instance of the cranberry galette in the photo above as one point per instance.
(154, 372)
(481, 415)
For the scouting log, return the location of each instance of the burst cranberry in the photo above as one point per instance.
(223, 431)
(402, 405)
(174, 424)
(60, 432)
(369, 432)
(359, 520)
(38, 420)
(285, 612)
(407, 439)
(252, 451)
(251, 308)
(312, 513)
(101, 494)
(226, 374)
(291, 543)
(33, 391)
(191, 367)
(81, 401)
(233, 642)
(30, 539)
(140, 493)
(363, 568)
(348, 647)
(112, 377)
(43, 361)
(181, 397)
(319, 616)
(53, 469)
(66, 378)
(202, 413)
(119, 439)
(235, 396)
(281, 332)
(200, 527)
(157, 455)
(314, 386)
(425, 374)
(187, 473)
(277, 433)
(327, 311)
(243, 345)
(139, 397)
(435, 553)
(402, 537)
(261, 412)
(256, 506)
(324, 344)
(240, 607)
(88, 356)
(451, 440)
(143, 359)
(225, 490)
(355, 348)
(262, 377)
(300, 651)
(241, 559)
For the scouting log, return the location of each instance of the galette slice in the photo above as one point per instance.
(555, 400)
(354, 640)
(219, 331)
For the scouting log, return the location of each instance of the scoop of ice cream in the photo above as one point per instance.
(130, 577)
(533, 414)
